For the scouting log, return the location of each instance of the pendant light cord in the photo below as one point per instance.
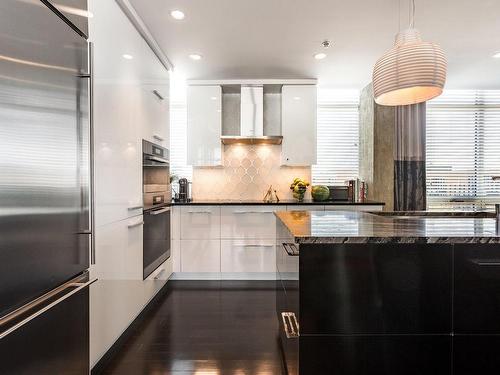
(411, 15)
(399, 15)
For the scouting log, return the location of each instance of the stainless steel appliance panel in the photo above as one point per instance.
(76, 11)
(52, 338)
(44, 138)
(156, 239)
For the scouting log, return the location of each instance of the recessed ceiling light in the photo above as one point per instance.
(497, 55)
(297, 97)
(177, 14)
(320, 56)
(213, 98)
(195, 56)
(127, 56)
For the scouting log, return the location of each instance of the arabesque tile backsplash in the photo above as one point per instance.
(247, 172)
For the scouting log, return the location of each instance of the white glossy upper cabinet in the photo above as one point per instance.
(156, 113)
(204, 111)
(298, 125)
(116, 108)
(123, 111)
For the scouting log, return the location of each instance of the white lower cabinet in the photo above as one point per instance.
(248, 256)
(249, 222)
(119, 250)
(200, 222)
(200, 255)
(232, 242)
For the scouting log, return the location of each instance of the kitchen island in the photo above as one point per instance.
(362, 293)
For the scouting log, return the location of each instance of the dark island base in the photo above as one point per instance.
(397, 355)
(384, 309)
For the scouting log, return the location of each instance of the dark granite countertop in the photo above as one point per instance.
(281, 202)
(361, 227)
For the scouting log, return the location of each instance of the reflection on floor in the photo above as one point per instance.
(206, 328)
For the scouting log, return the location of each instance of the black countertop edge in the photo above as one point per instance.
(397, 240)
(465, 214)
(280, 203)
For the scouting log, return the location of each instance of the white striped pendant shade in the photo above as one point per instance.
(411, 72)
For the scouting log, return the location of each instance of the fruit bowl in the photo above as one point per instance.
(299, 188)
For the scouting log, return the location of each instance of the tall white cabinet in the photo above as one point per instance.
(298, 125)
(204, 108)
(130, 103)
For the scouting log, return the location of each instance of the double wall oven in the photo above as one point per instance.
(157, 200)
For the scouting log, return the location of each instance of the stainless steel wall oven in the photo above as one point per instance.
(157, 199)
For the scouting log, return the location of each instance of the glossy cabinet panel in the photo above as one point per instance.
(120, 250)
(200, 255)
(200, 222)
(175, 222)
(298, 125)
(375, 355)
(247, 256)
(118, 153)
(125, 110)
(476, 354)
(376, 288)
(477, 289)
(204, 111)
(251, 222)
(155, 113)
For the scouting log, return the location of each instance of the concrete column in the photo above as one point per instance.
(376, 148)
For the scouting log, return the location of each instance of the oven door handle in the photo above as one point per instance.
(157, 159)
(160, 211)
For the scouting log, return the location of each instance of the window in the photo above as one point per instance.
(463, 150)
(338, 137)
(178, 130)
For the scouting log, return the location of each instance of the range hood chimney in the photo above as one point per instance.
(252, 119)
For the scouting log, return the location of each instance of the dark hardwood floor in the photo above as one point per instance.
(205, 328)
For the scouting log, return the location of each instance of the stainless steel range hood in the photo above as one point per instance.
(252, 119)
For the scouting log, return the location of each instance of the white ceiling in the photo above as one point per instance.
(277, 38)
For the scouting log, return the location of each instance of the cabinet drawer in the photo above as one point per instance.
(200, 256)
(200, 222)
(248, 256)
(256, 222)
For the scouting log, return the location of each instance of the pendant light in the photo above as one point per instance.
(411, 72)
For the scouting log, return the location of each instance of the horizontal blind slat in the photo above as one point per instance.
(463, 149)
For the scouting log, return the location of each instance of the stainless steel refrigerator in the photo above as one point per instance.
(45, 225)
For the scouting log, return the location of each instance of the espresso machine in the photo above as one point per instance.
(184, 190)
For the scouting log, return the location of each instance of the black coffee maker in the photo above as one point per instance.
(184, 190)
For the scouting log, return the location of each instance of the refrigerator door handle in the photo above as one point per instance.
(74, 286)
(90, 77)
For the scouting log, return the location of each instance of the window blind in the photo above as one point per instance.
(338, 137)
(463, 150)
(178, 131)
